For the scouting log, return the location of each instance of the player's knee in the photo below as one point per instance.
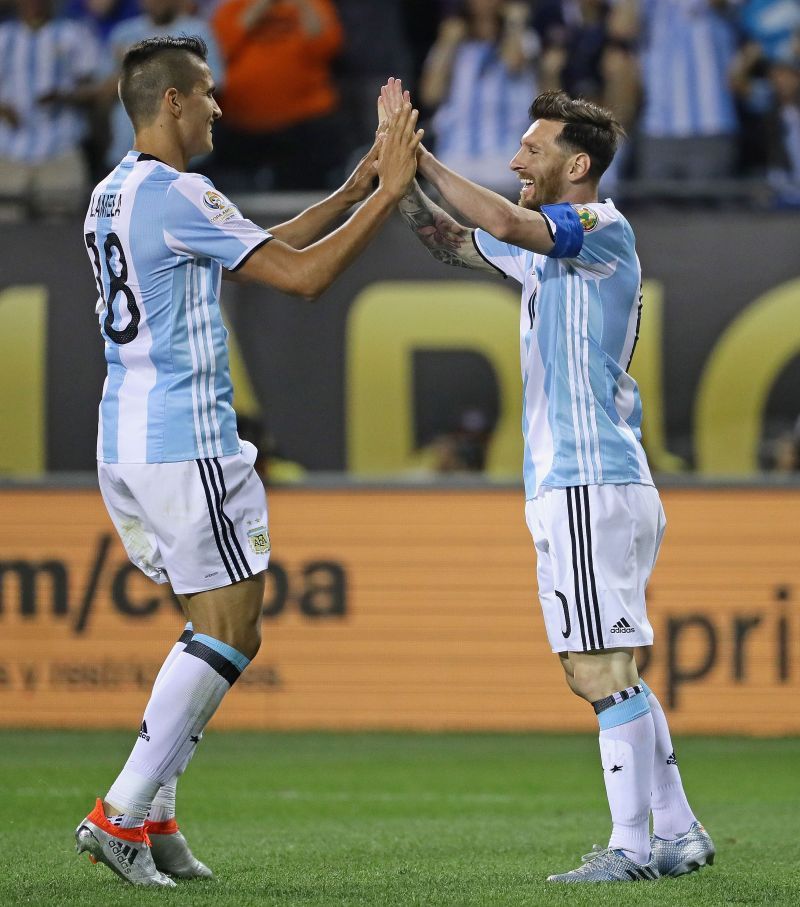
(592, 682)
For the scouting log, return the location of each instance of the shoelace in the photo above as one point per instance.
(597, 851)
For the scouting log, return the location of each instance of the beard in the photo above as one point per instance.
(547, 191)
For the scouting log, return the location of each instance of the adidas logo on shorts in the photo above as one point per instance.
(622, 626)
(145, 736)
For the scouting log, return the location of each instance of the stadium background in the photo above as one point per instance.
(402, 590)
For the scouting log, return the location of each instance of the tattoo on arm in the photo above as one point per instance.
(448, 241)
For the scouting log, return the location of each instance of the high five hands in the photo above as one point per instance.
(397, 142)
(387, 161)
(391, 100)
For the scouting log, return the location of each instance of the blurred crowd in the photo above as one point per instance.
(708, 90)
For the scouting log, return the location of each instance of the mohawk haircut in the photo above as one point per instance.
(155, 65)
(588, 127)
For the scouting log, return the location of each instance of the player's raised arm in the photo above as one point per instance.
(312, 223)
(491, 212)
(447, 240)
(308, 272)
(503, 219)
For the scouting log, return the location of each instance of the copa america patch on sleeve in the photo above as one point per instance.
(225, 209)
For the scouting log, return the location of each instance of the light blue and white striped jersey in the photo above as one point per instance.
(158, 240)
(579, 321)
(35, 63)
(478, 125)
(687, 51)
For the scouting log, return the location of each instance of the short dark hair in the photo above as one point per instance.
(588, 127)
(154, 65)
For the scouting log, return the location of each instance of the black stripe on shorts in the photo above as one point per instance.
(586, 599)
(226, 532)
(576, 581)
(214, 525)
(226, 519)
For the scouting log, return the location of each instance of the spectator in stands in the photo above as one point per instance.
(770, 29)
(47, 77)
(101, 15)
(785, 450)
(772, 25)
(686, 47)
(375, 44)
(159, 17)
(581, 59)
(573, 55)
(783, 131)
(281, 127)
(481, 76)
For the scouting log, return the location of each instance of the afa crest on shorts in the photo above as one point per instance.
(588, 219)
(259, 540)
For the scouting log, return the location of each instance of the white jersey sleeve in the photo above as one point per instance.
(603, 240)
(203, 223)
(510, 261)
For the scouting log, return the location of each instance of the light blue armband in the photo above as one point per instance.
(568, 233)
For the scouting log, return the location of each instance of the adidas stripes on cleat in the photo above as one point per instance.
(126, 851)
(171, 852)
(685, 854)
(606, 865)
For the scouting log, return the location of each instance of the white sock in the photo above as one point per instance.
(627, 742)
(163, 807)
(672, 815)
(179, 708)
(174, 652)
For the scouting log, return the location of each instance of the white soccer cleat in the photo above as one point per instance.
(126, 851)
(688, 853)
(171, 852)
(606, 865)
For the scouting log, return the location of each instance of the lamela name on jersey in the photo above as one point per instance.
(106, 204)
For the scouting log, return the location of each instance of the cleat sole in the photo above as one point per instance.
(692, 866)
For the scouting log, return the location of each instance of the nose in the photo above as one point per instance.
(217, 112)
(515, 164)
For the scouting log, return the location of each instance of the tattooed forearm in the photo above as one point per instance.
(446, 239)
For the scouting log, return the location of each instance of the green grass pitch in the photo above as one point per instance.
(395, 819)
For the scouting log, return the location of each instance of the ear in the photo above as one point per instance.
(580, 166)
(173, 101)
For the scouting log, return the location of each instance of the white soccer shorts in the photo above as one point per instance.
(596, 546)
(196, 524)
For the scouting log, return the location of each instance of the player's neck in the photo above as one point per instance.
(580, 195)
(154, 141)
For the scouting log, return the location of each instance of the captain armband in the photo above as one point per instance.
(565, 229)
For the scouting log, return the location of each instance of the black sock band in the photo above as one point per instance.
(615, 698)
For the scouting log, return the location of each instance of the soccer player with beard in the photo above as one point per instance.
(591, 506)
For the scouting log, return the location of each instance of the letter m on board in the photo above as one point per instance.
(28, 579)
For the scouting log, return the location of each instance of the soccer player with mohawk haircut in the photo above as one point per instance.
(178, 483)
(591, 506)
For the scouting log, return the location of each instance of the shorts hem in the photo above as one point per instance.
(608, 647)
(226, 581)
